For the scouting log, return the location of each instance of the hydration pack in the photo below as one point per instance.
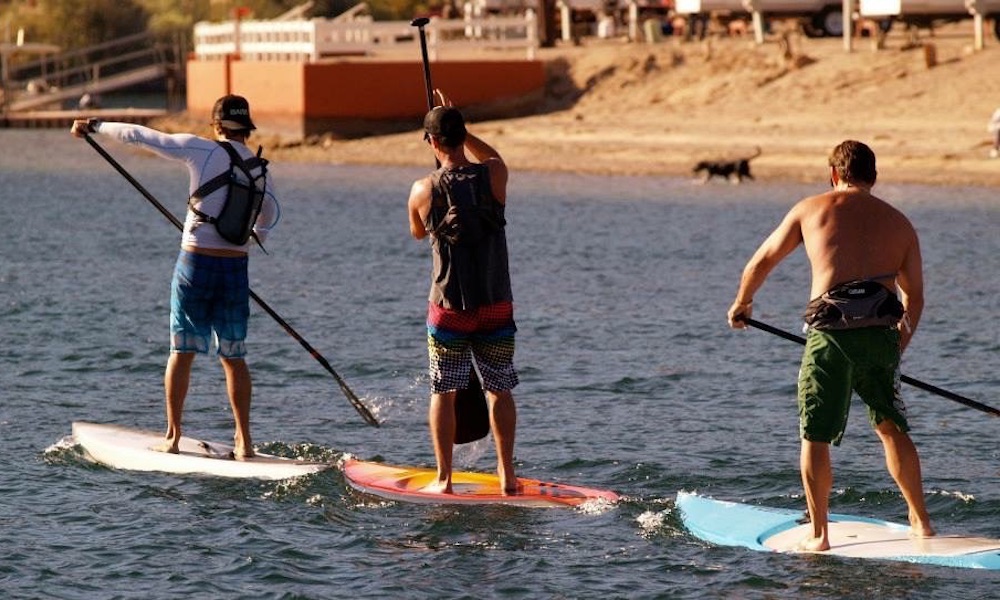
(853, 305)
(473, 213)
(244, 197)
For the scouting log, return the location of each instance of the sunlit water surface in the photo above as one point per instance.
(631, 380)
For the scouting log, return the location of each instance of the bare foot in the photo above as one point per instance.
(167, 446)
(515, 491)
(508, 489)
(509, 485)
(243, 453)
(437, 487)
(242, 447)
(921, 530)
(812, 544)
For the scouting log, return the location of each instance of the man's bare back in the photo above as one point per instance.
(852, 235)
(848, 234)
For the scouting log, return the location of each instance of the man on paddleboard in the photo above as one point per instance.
(210, 291)
(861, 251)
(470, 314)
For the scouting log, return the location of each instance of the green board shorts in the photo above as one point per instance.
(837, 363)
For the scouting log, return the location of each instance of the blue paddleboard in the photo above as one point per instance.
(778, 530)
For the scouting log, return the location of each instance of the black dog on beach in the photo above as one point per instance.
(733, 170)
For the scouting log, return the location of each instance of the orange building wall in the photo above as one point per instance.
(397, 90)
(306, 98)
(273, 87)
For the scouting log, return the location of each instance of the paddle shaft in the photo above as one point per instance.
(351, 396)
(419, 23)
(428, 86)
(905, 379)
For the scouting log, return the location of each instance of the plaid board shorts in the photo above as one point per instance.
(209, 295)
(457, 337)
(836, 364)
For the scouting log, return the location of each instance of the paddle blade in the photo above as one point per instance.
(472, 416)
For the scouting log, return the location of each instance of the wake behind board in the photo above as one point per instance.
(778, 530)
(132, 449)
(405, 484)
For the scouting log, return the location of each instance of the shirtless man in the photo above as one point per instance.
(470, 314)
(857, 332)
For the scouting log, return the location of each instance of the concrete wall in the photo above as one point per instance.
(352, 98)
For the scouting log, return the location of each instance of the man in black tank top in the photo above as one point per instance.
(470, 316)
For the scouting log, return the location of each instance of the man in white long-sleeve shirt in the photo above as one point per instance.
(210, 291)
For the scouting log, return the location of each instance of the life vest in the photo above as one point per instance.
(470, 211)
(468, 241)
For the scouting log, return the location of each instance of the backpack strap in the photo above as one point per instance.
(248, 164)
(222, 179)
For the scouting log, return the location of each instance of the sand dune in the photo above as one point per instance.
(634, 108)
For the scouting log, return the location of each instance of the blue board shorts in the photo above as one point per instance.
(209, 295)
(839, 362)
(457, 337)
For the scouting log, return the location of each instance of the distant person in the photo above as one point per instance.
(470, 315)
(994, 128)
(89, 101)
(210, 288)
(37, 87)
(861, 251)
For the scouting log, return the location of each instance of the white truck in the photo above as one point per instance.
(825, 17)
(926, 13)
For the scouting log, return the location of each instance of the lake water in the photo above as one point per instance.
(631, 380)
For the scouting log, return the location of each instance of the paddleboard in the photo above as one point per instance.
(124, 448)
(778, 530)
(405, 484)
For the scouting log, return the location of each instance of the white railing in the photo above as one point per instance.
(316, 39)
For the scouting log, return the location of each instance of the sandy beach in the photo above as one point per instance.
(614, 107)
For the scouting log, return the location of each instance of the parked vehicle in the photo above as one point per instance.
(927, 13)
(819, 17)
(825, 17)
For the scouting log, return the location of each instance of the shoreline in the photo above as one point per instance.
(618, 108)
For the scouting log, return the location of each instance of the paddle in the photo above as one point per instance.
(472, 417)
(351, 396)
(906, 379)
(419, 23)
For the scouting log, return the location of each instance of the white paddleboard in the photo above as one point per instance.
(132, 449)
(778, 530)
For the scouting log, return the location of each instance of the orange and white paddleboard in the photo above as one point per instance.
(406, 485)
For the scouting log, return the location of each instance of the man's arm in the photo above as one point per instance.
(185, 147)
(487, 155)
(418, 205)
(776, 247)
(911, 292)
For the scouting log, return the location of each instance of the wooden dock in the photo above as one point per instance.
(49, 119)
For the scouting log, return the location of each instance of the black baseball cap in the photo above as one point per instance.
(447, 124)
(232, 112)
